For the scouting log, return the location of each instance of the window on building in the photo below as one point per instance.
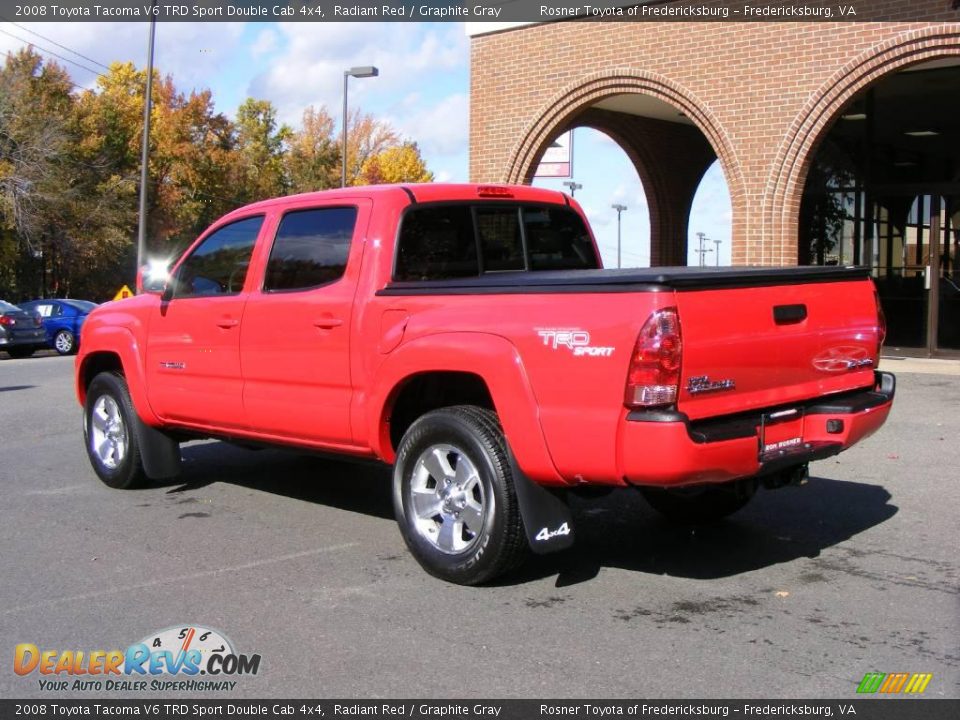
(311, 248)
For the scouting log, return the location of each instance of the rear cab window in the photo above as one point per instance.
(463, 240)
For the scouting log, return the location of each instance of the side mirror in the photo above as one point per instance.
(154, 278)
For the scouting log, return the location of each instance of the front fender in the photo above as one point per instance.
(494, 359)
(121, 342)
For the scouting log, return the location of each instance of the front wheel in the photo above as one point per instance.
(701, 504)
(454, 496)
(110, 434)
(64, 342)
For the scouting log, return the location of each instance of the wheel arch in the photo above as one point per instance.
(114, 350)
(460, 368)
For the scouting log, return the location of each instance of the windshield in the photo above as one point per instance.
(7, 307)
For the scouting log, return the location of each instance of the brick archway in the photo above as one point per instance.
(780, 208)
(670, 193)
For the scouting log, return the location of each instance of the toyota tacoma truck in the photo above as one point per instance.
(469, 336)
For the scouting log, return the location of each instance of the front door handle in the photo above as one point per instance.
(227, 323)
(326, 323)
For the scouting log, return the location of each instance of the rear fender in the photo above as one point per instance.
(497, 362)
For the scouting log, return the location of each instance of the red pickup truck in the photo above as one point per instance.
(468, 335)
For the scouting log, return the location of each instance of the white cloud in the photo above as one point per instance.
(308, 70)
(266, 42)
(440, 129)
(194, 53)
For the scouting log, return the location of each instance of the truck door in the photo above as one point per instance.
(295, 340)
(193, 345)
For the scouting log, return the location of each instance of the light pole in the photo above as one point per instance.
(145, 150)
(619, 208)
(363, 71)
(702, 251)
(574, 186)
(717, 243)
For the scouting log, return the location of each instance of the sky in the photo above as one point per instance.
(422, 91)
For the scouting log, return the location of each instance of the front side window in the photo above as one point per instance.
(218, 266)
(311, 248)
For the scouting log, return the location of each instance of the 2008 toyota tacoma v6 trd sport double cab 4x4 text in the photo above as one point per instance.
(468, 335)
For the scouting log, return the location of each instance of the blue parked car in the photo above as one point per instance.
(62, 319)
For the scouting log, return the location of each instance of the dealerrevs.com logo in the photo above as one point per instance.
(182, 658)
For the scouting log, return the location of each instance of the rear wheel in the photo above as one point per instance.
(701, 504)
(109, 432)
(21, 351)
(64, 342)
(454, 496)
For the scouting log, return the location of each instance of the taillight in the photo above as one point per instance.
(881, 322)
(494, 191)
(654, 374)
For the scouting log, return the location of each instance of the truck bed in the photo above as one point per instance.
(625, 280)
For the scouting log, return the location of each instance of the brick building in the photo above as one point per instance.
(839, 141)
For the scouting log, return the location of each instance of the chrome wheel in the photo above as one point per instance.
(108, 433)
(63, 342)
(448, 499)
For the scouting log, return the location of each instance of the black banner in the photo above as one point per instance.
(482, 11)
(874, 709)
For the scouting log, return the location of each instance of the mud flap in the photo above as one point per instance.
(546, 515)
(159, 452)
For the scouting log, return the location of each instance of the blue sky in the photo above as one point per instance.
(422, 90)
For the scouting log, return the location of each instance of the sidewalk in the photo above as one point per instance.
(928, 366)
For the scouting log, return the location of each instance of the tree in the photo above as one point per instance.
(366, 138)
(313, 157)
(397, 164)
(261, 148)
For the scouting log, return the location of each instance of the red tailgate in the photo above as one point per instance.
(752, 347)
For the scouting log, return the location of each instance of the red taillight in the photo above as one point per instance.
(654, 374)
(5, 321)
(493, 191)
(881, 322)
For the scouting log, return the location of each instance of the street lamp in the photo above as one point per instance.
(619, 208)
(364, 71)
(574, 186)
(145, 149)
(717, 243)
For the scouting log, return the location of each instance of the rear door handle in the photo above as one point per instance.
(227, 323)
(326, 323)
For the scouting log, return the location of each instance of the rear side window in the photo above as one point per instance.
(458, 241)
(311, 248)
(219, 264)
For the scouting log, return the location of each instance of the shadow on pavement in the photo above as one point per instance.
(619, 530)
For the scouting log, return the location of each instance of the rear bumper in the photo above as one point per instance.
(33, 339)
(666, 448)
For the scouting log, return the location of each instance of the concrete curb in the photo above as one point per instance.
(926, 366)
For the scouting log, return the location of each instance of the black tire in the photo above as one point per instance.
(492, 545)
(701, 504)
(21, 351)
(65, 343)
(114, 427)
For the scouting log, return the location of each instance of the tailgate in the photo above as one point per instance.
(746, 348)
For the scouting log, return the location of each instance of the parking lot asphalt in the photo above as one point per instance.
(298, 559)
